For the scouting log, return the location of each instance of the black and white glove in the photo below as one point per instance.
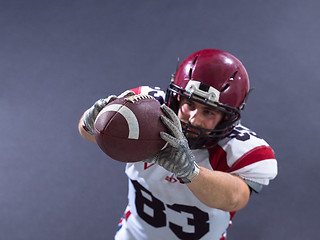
(91, 114)
(176, 157)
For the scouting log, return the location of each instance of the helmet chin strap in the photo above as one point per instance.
(197, 143)
(201, 140)
(197, 140)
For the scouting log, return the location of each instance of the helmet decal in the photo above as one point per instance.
(202, 90)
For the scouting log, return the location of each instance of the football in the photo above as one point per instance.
(128, 129)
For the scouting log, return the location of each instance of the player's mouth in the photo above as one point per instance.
(191, 132)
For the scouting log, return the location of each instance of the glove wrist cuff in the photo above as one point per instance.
(194, 174)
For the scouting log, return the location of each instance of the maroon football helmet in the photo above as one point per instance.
(214, 78)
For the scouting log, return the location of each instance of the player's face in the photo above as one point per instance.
(198, 115)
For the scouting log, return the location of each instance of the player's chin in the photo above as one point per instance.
(191, 135)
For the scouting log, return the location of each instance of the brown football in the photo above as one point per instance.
(128, 129)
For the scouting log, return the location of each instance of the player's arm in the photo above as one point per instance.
(86, 123)
(220, 190)
(215, 189)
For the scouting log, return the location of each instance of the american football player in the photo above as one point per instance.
(193, 187)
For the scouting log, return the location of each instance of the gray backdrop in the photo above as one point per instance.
(58, 57)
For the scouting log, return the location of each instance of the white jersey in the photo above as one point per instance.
(160, 207)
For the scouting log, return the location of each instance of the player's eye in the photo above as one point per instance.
(189, 104)
(211, 112)
(208, 112)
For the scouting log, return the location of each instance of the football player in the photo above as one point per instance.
(193, 187)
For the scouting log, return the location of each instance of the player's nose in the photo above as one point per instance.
(193, 116)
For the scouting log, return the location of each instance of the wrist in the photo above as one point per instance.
(88, 120)
(192, 176)
(84, 133)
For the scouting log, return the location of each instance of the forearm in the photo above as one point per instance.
(220, 190)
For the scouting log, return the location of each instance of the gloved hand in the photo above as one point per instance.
(91, 114)
(177, 156)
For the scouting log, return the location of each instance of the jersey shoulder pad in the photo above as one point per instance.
(156, 92)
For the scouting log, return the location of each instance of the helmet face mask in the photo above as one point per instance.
(216, 79)
(201, 137)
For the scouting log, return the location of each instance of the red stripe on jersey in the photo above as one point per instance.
(126, 215)
(218, 159)
(255, 155)
(136, 90)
